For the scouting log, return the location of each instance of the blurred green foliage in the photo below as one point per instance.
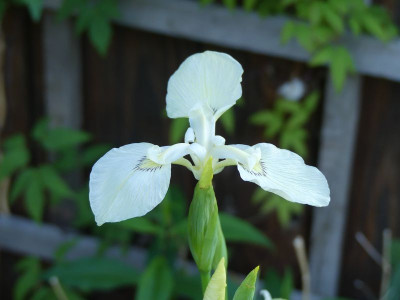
(320, 26)
(286, 121)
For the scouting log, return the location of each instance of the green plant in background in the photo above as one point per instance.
(321, 25)
(92, 17)
(286, 122)
(43, 182)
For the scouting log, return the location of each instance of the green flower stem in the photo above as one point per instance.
(205, 279)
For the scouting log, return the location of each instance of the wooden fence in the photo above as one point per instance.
(357, 140)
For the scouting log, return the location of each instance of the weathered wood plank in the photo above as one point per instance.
(63, 73)
(375, 189)
(246, 31)
(339, 129)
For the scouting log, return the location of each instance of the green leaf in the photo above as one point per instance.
(156, 282)
(333, 19)
(100, 32)
(35, 8)
(53, 182)
(288, 31)
(249, 5)
(91, 154)
(247, 287)
(395, 250)
(21, 183)
(394, 290)
(284, 209)
(63, 249)
(16, 156)
(373, 26)
(322, 57)
(61, 138)
(94, 273)
(355, 25)
(279, 287)
(341, 65)
(230, 4)
(34, 198)
(311, 102)
(177, 130)
(43, 293)
(189, 286)
(30, 268)
(228, 121)
(69, 7)
(141, 225)
(237, 230)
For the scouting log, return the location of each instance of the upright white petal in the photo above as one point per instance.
(211, 78)
(125, 184)
(284, 173)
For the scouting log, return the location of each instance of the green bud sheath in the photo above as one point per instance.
(203, 222)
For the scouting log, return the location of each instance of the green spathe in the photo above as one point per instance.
(247, 287)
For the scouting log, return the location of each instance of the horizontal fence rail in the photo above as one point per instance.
(246, 31)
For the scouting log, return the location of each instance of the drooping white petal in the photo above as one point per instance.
(125, 184)
(284, 173)
(211, 78)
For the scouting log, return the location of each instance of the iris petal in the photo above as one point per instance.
(124, 184)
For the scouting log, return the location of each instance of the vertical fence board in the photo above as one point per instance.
(63, 74)
(339, 128)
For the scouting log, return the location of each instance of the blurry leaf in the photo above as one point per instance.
(21, 183)
(34, 198)
(205, 2)
(247, 287)
(288, 31)
(272, 121)
(58, 138)
(35, 8)
(341, 6)
(228, 121)
(16, 156)
(94, 273)
(284, 209)
(311, 102)
(100, 32)
(341, 65)
(53, 182)
(93, 153)
(287, 284)
(43, 293)
(249, 4)
(394, 290)
(141, 225)
(156, 282)
(189, 286)
(322, 57)
(304, 34)
(395, 258)
(372, 25)
(69, 7)
(84, 216)
(63, 249)
(231, 4)
(333, 19)
(237, 230)
(3, 8)
(355, 26)
(316, 9)
(279, 287)
(177, 130)
(30, 269)
(286, 106)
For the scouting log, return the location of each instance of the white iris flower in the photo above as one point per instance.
(131, 180)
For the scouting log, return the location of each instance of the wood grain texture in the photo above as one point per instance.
(375, 191)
